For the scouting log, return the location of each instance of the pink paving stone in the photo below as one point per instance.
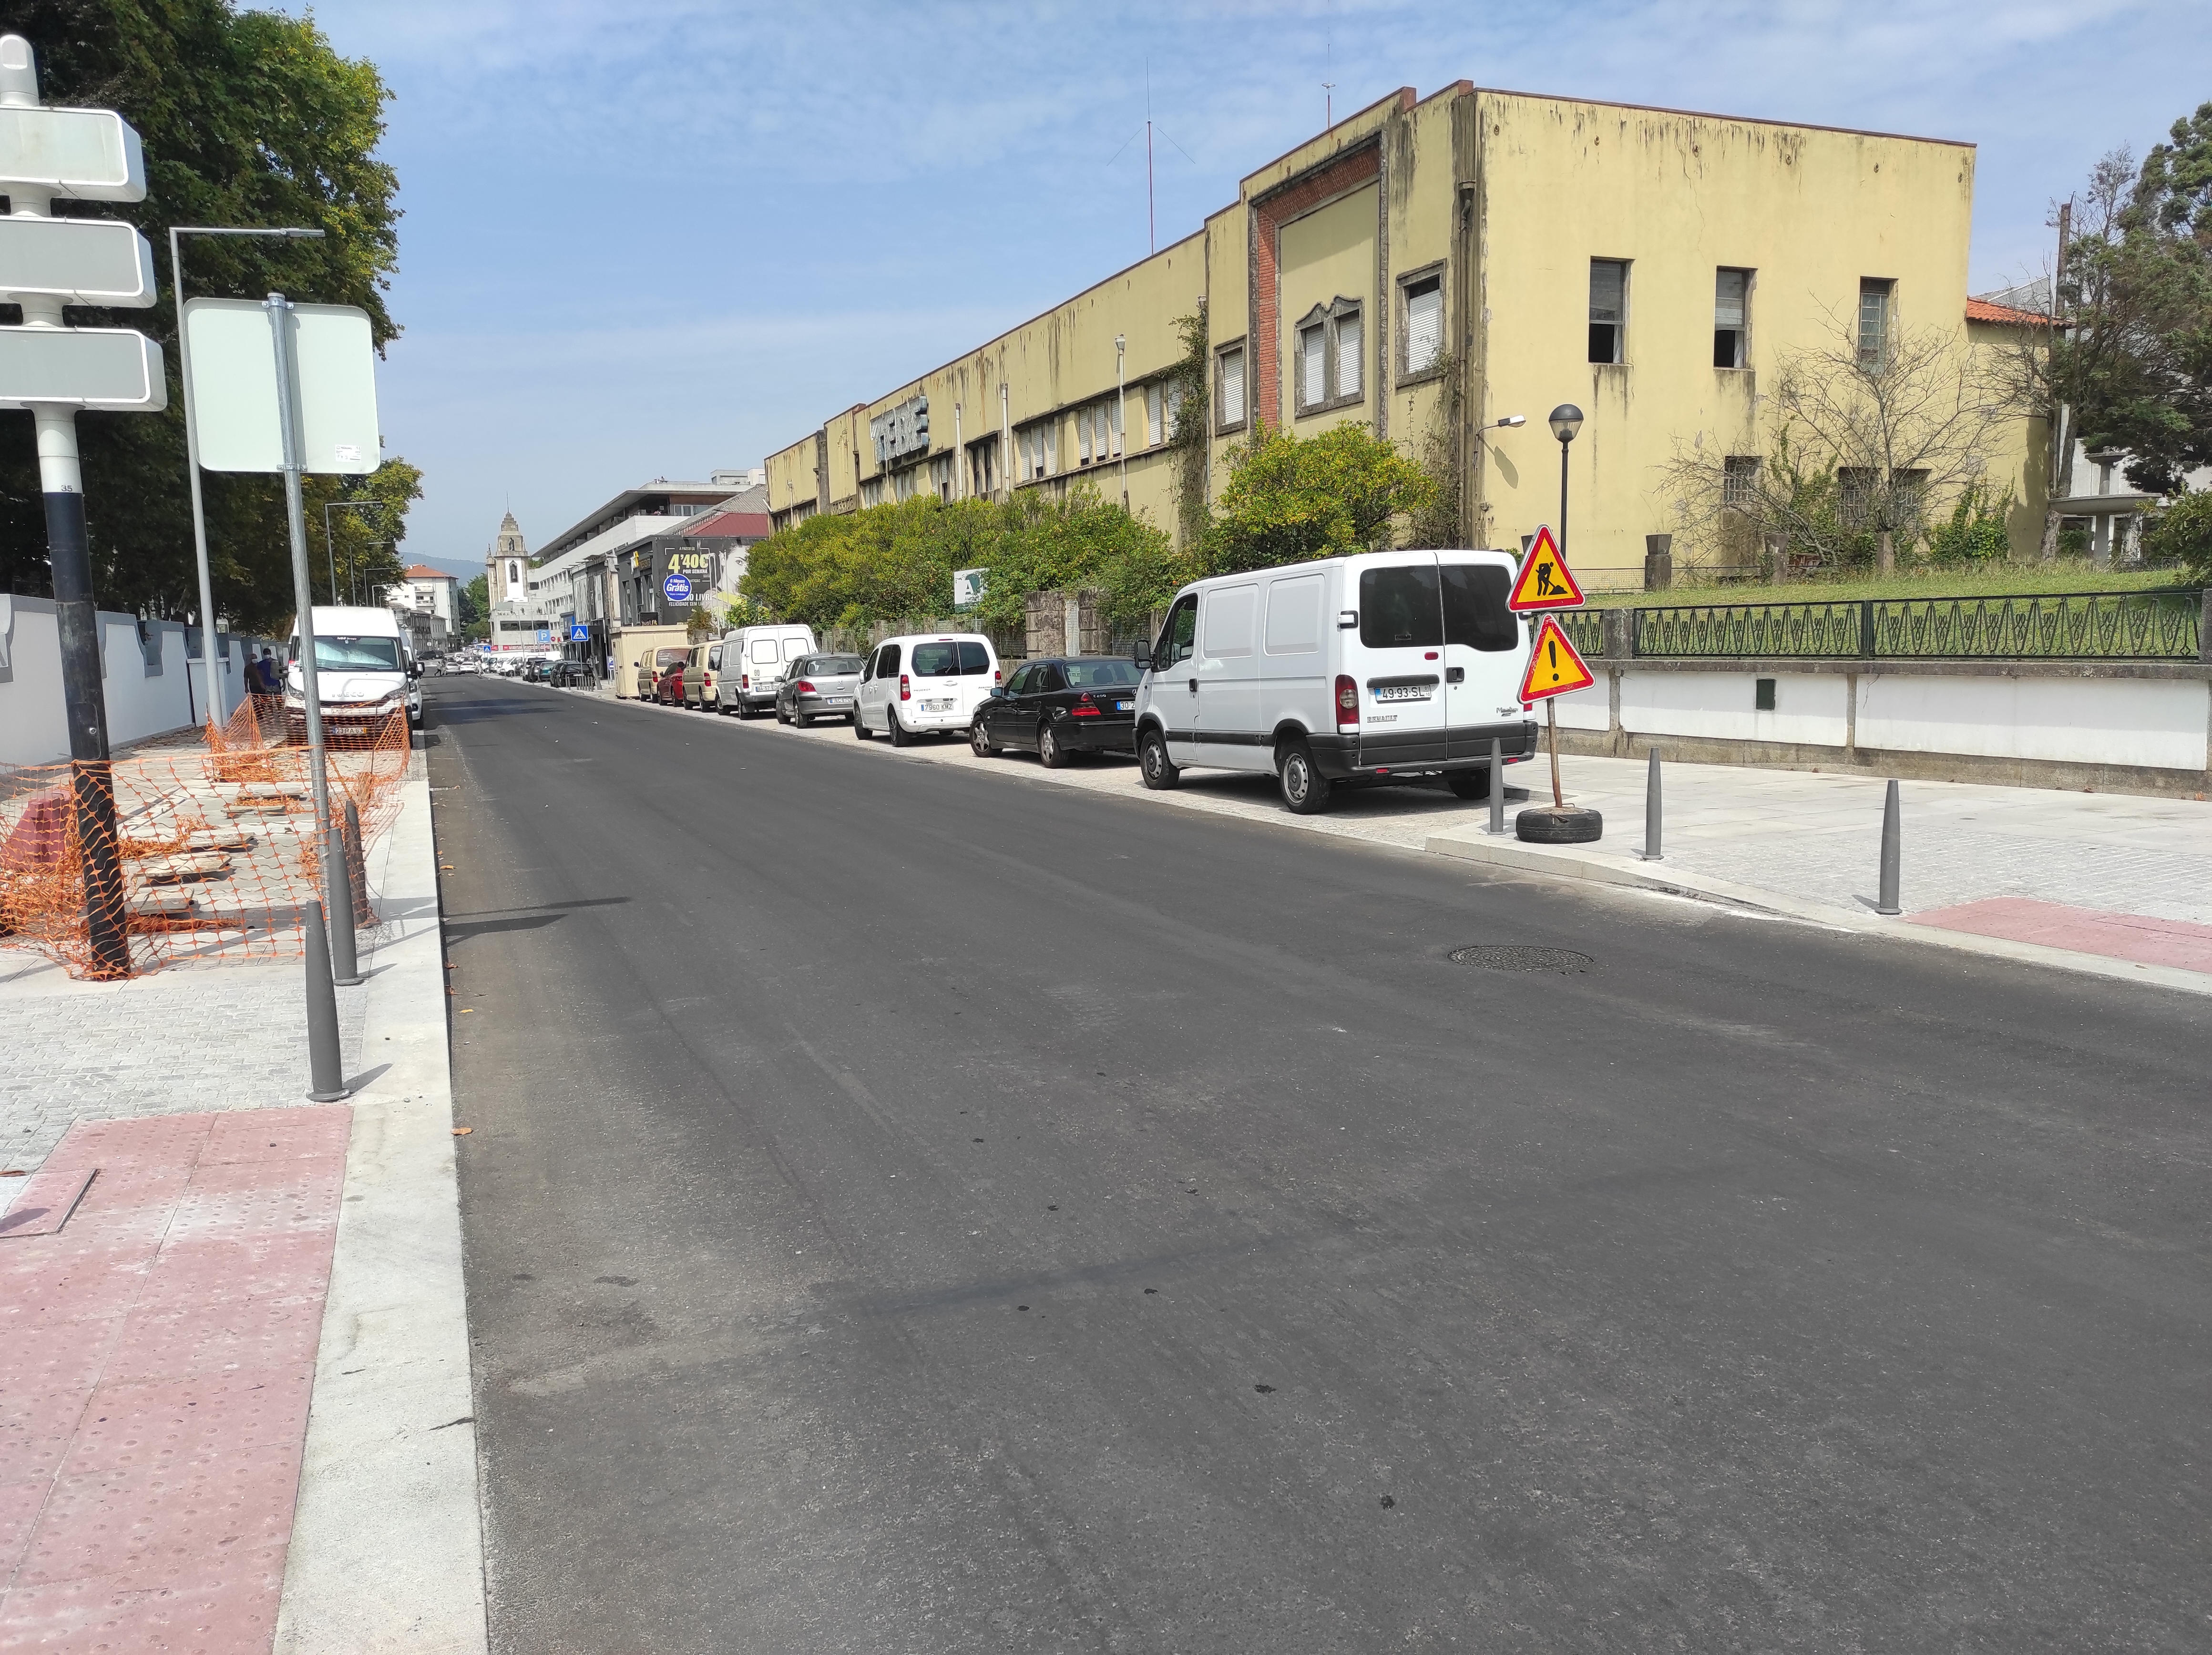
(152, 1414)
(45, 1203)
(225, 1605)
(2086, 930)
(19, 1506)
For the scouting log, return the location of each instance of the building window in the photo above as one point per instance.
(1171, 410)
(1731, 318)
(983, 468)
(1425, 322)
(871, 492)
(1038, 450)
(1608, 310)
(1156, 430)
(1112, 416)
(906, 484)
(1740, 480)
(1229, 376)
(1083, 450)
(1332, 342)
(1875, 300)
(944, 472)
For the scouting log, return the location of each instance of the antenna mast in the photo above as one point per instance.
(1152, 212)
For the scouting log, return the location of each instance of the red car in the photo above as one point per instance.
(668, 683)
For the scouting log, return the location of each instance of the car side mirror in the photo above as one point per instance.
(1141, 655)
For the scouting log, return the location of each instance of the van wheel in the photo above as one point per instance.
(979, 741)
(1468, 783)
(744, 708)
(1304, 789)
(1056, 756)
(901, 736)
(1158, 771)
(860, 725)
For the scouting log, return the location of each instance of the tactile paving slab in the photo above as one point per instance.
(156, 1361)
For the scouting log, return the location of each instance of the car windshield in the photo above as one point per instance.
(1099, 675)
(356, 654)
(936, 661)
(831, 666)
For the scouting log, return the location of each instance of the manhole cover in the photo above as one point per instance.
(1518, 959)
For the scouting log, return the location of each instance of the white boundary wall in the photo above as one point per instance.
(151, 688)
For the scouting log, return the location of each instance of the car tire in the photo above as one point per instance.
(1548, 824)
(1154, 768)
(860, 726)
(901, 736)
(1468, 783)
(781, 717)
(979, 741)
(803, 721)
(1305, 790)
(1054, 756)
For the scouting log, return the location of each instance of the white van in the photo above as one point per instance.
(754, 662)
(924, 681)
(364, 673)
(1386, 665)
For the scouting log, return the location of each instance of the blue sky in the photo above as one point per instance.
(652, 237)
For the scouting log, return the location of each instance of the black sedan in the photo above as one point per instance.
(1059, 708)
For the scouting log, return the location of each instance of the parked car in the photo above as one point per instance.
(703, 676)
(925, 682)
(1382, 666)
(1060, 707)
(650, 666)
(758, 658)
(819, 687)
(668, 682)
(363, 674)
(571, 675)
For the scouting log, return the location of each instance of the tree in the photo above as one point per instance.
(1870, 449)
(476, 610)
(2181, 533)
(1290, 499)
(247, 118)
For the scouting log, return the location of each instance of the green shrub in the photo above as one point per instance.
(1975, 532)
(2181, 533)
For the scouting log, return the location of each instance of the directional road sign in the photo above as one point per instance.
(79, 261)
(115, 368)
(678, 588)
(234, 403)
(86, 154)
(1554, 668)
(1545, 582)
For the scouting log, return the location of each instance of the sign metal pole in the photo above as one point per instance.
(295, 517)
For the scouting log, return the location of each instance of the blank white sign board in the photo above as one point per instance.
(234, 390)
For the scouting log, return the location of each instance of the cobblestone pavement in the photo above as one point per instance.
(179, 1041)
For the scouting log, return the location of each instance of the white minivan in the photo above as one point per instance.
(924, 681)
(754, 662)
(1386, 666)
(364, 673)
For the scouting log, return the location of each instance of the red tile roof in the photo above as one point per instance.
(1981, 310)
(731, 525)
(424, 571)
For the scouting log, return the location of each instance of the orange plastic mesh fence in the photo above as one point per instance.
(214, 857)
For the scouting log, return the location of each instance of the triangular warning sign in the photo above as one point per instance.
(1546, 582)
(1554, 669)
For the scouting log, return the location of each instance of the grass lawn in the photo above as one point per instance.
(1988, 581)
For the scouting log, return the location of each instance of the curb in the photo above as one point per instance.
(387, 1540)
(1567, 862)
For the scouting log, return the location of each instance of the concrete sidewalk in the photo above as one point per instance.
(346, 1288)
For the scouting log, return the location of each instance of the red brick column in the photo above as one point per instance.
(1263, 348)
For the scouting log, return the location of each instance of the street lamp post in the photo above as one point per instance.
(216, 710)
(1565, 419)
(330, 542)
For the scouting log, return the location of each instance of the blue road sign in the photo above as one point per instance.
(678, 588)
(579, 634)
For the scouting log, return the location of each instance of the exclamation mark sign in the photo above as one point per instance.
(1552, 648)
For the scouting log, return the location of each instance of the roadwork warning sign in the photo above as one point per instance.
(1554, 668)
(1546, 582)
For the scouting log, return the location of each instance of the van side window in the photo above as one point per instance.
(1294, 615)
(764, 652)
(714, 658)
(1401, 608)
(1178, 635)
(974, 660)
(887, 663)
(1474, 607)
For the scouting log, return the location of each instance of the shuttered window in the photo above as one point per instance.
(1349, 355)
(1313, 363)
(1232, 385)
(1424, 323)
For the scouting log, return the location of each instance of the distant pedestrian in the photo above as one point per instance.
(265, 674)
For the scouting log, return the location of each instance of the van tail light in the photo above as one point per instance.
(1347, 702)
(906, 689)
(744, 681)
(1084, 707)
(804, 688)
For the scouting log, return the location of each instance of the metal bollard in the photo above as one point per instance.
(364, 912)
(338, 890)
(1497, 786)
(1651, 811)
(1890, 852)
(326, 1067)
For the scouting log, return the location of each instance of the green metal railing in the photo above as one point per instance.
(2140, 626)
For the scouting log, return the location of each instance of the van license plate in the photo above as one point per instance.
(945, 705)
(1402, 693)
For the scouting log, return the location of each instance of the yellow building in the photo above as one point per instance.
(1647, 265)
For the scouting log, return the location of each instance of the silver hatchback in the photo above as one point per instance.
(819, 687)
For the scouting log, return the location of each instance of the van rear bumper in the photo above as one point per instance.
(1341, 758)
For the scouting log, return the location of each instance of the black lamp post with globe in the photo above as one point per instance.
(1560, 823)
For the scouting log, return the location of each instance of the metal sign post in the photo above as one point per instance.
(52, 370)
(295, 519)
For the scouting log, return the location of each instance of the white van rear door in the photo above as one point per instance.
(1398, 661)
(1485, 651)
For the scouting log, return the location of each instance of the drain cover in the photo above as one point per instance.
(1519, 959)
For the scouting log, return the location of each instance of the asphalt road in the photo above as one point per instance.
(912, 1210)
